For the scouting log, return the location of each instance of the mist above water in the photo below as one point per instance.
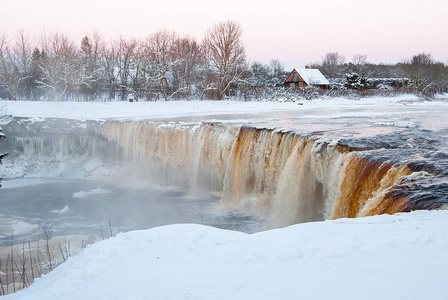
(88, 206)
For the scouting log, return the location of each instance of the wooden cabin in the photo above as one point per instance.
(300, 78)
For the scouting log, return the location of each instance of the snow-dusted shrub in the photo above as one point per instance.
(355, 81)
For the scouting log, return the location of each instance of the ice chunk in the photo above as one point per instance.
(83, 194)
(63, 211)
(22, 228)
(93, 164)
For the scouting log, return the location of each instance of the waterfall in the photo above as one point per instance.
(273, 174)
(53, 148)
(58, 146)
(277, 175)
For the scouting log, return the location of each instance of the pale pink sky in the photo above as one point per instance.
(295, 32)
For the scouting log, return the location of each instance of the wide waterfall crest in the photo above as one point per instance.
(277, 175)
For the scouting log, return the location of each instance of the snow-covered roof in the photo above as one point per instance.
(312, 76)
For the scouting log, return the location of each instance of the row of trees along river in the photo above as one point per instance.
(167, 66)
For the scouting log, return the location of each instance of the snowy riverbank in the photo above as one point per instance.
(174, 109)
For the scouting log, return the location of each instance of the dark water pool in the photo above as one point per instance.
(85, 206)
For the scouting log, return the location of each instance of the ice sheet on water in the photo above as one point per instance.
(21, 228)
(83, 194)
(63, 211)
(22, 182)
(16, 227)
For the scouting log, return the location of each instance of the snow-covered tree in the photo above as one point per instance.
(259, 74)
(226, 56)
(58, 66)
(35, 74)
(91, 74)
(110, 70)
(355, 81)
(187, 71)
(278, 73)
(125, 54)
(23, 50)
(10, 76)
(161, 44)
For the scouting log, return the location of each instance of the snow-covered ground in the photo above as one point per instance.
(382, 257)
(171, 109)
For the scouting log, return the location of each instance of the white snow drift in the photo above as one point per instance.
(382, 257)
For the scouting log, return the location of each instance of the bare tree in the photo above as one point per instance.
(58, 65)
(147, 77)
(23, 50)
(332, 64)
(161, 44)
(226, 55)
(90, 65)
(9, 70)
(109, 67)
(259, 74)
(125, 55)
(359, 63)
(277, 72)
(138, 63)
(425, 73)
(189, 58)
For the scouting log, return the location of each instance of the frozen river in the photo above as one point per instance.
(51, 144)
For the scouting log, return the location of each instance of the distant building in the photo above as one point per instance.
(300, 78)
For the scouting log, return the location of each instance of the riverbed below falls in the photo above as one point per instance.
(236, 172)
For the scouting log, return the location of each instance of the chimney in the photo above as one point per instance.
(307, 67)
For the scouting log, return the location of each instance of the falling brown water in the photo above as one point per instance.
(274, 174)
(364, 187)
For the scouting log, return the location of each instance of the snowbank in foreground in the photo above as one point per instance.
(382, 257)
